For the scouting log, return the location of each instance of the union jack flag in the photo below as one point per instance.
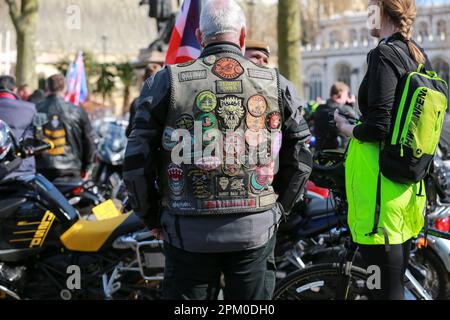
(183, 45)
(76, 82)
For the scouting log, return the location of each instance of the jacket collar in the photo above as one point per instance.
(5, 94)
(218, 47)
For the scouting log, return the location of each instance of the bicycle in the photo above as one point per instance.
(340, 280)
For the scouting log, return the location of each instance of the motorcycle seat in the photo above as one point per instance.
(67, 184)
(319, 207)
(92, 236)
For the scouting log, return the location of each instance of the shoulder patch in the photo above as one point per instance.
(192, 75)
(260, 74)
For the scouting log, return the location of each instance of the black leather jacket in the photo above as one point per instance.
(79, 149)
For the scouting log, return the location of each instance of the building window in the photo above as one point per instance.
(315, 85)
(364, 36)
(335, 38)
(442, 68)
(423, 31)
(442, 29)
(353, 36)
(344, 74)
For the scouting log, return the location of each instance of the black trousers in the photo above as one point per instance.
(392, 265)
(248, 274)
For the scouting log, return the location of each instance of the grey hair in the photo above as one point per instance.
(221, 17)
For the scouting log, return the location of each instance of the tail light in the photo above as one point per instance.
(442, 224)
(77, 191)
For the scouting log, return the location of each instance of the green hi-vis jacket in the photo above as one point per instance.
(402, 209)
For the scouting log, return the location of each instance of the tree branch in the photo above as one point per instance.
(13, 11)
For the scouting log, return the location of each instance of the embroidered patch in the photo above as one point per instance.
(208, 120)
(176, 181)
(256, 186)
(231, 187)
(255, 124)
(267, 200)
(192, 75)
(181, 205)
(206, 101)
(231, 203)
(185, 121)
(229, 87)
(210, 60)
(200, 183)
(231, 111)
(227, 68)
(208, 163)
(273, 121)
(231, 170)
(167, 142)
(257, 105)
(260, 74)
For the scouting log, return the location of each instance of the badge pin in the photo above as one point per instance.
(206, 101)
(231, 111)
(257, 105)
(274, 121)
(227, 68)
(210, 60)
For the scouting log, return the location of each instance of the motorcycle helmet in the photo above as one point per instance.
(6, 142)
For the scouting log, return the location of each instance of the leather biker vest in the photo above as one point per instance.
(221, 138)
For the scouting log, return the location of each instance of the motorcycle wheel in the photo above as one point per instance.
(435, 276)
(320, 282)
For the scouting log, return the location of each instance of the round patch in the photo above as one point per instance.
(273, 121)
(208, 120)
(227, 68)
(257, 105)
(208, 163)
(167, 142)
(265, 174)
(231, 170)
(206, 101)
(210, 60)
(254, 123)
(185, 121)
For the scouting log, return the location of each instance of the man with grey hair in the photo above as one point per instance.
(217, 216)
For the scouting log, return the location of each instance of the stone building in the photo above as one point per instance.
(339, 52)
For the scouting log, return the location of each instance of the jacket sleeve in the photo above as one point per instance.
(144, 142)
(295, 160)
(87, 140)
(383, 78)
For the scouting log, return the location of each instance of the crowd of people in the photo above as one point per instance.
(219, 220)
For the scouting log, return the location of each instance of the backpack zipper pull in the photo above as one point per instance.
(401, 148)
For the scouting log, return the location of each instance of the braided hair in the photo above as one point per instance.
(402, 13)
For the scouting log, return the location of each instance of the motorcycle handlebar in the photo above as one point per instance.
(31, 150)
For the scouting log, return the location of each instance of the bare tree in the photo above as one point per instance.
(24, 15)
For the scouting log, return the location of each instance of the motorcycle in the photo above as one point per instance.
(111, 147)
(48, 252)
